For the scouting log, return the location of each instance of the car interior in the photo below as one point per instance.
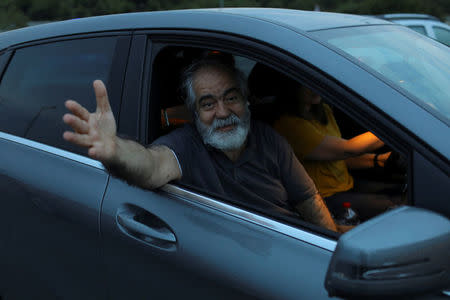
(266, 87)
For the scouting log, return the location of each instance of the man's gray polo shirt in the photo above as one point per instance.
(266, 174)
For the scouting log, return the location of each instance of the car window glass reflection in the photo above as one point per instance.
(442, 35)
(420, 73)
(40, 78)
(419, 29)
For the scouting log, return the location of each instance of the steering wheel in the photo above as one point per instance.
(395, 164)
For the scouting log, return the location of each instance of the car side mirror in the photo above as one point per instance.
(405, 251)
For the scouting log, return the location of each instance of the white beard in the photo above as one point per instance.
(225, 141)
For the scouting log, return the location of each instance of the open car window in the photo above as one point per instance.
(268, 103)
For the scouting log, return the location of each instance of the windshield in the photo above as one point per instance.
(412, 62)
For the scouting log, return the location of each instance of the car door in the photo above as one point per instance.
(176, 242)
(172, 242)
(52, 192)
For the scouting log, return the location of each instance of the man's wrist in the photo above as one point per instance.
(112, 156)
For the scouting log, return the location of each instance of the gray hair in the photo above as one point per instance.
(188, 79)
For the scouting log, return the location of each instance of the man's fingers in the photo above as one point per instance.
(77, 109)
(76, 138)
(77, 124)
(102, 96)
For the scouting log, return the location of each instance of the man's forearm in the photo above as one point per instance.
(364, 161)
(364, 143)
(148, 168)
(314, 210)
(131, 162)
(367, 161)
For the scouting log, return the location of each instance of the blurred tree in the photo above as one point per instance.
(66, 9)
(438, 8)
(304, 5)
(140, 5)
(152, 5)
(44, 10)
(115, 6)
(82, 8)
(11, 16)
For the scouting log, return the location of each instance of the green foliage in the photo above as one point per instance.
(17, 12)
(438, 8)
(11, 16)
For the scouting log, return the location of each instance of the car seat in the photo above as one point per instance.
(269, 90)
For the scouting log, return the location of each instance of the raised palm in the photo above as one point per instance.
(96, 131)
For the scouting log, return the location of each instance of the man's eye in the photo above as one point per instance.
(207, 105)
(232, 98)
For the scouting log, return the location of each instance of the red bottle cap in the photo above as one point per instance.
(347, 204)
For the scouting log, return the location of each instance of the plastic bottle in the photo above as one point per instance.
(348, 216)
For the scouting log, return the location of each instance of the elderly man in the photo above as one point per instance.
(224, 152)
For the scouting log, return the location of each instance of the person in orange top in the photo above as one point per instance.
(311, 129)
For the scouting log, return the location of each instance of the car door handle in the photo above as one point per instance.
(144, 226)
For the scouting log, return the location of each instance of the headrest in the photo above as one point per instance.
(266, 84)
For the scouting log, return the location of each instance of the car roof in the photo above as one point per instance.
(206, 19)
(304, 20)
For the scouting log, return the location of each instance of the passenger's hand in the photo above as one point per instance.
(396, 163)
(382, 158)
(96, 131)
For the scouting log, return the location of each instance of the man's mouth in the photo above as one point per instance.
(226, 128)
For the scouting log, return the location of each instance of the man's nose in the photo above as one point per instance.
(222, 111)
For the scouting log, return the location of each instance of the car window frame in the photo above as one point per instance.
(5, 58)
(356, 107)
(279, 60)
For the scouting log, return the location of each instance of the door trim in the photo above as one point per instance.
(260, 220)
(53, 150)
